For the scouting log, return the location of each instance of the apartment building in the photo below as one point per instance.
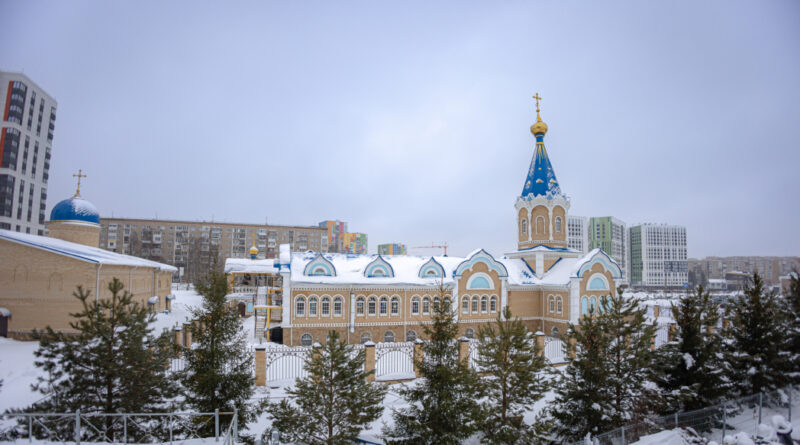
(611, 235)
(392, 249)
(194, 246)
(26, 140)
(771, 268)
(342, 241)
(578, 233)
(658, 256)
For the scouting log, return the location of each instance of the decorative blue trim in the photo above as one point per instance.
(481, 256)
(319, 260)
(478, 282)
(379, 263)
(597, 283)
(554, 249)
(429, 265)
(606, 261)
(554, 264)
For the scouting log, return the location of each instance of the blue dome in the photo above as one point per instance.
(75, 209)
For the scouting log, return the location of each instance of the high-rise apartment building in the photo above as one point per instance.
(658, 255)
(194, 245)
(578, 233)
(611, 235)
(26, 140)
(335, 230)
(392, 249)
(342, 241)
(771, 268)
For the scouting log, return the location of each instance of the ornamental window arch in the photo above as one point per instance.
(360, 305)
(493, 304)
(300, 307)
(395, 305)
(415, 305)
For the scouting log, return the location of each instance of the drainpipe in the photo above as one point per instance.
(130, 279)
(352, 315)
(97, 283)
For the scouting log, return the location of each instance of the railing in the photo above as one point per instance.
(394, 361)
(554, 350)
(245, 289)
(176, 427)
(286, 363)
(662, 335)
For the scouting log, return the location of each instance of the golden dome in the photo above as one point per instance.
(254, 250)
(539, 127)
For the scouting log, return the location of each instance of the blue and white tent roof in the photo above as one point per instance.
(541, 179)
(75, 209)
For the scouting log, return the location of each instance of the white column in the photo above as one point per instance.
(503, 295)
(286, 305)
(352, 312)
(550, 213)
(456, 301)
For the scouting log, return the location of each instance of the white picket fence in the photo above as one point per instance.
(394, 361)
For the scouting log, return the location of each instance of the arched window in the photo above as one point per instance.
(337, 307)
(360, 306)
(584, 306)
(558, 224)
(469, 333)
(426, 306)
(365, 337)
(305, 340)
(559, 305)
(551, 303)
(415, 306)
(388, 337)
(493, 304)
(395, 306)
(371, 306)
(411, 335)
(593, 305)
(312, 307)
(447, 302)
(554, 332)
(475, 304)
(524, 226)
(465, 305)
(484, 303)
(436, 303)
(326, 306)
(384, 306)
(539, 225)
(300, 310)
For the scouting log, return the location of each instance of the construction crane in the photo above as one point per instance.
(434, 246)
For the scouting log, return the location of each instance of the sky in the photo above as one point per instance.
(410, 120)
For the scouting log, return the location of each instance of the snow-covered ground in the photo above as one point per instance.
(18, 374)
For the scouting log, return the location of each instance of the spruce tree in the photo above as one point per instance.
(112, 364)
(443, 403)
(334, 402)
(757, 340)
(792, 297)
(694, 373)
(583, 397)
(629, 357)
(218, 371)
(508, 353)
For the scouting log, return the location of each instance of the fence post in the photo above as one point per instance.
(418, 353)
(540, 342)
(178, 340)
(235, 424)
(676, 419)
(216, 425)
(463, 351)
(369, 360)
(760, 400)
(30, 424)
(623, 435)
(261, 365)
(187, 335)
(78, 427)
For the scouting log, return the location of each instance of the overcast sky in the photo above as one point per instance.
(409, 120)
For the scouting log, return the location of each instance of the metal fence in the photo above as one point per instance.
(286, 363)
(394, 361)
(713, 422)
(555, 350)
(75, 427)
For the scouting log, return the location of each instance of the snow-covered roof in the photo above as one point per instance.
(81, 252)
(246, 265)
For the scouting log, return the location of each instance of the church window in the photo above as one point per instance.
(524, 226)
(300, 310)
(584, 306)
(539, 225)
(395, 306)
(475, 305)
(337, 307)
(312, 306)
(592, 305)
(365, 337)
(493, 304)
(551, 303)
(559, 305)
(411, 336)
(326, 306)
(484, 303)
(447, 303)
(384, 306)
(436, 303)
(426, 305)
(371, 305)
(360, 306)
(305, 340)
(469, 333)
(415, 306)
(558, 224)
(388, 337)
(465, 305)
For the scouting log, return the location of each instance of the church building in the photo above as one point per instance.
(38, 274)
(390, 298)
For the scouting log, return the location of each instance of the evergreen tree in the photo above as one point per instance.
(792, 297)
(756, 340)
(113, 364)
(629, 357)
(694, 373)
(508, 352)
(583, 396)
(334, 402)
(218, 370)
(444, 405)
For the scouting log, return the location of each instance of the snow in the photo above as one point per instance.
(246, 265)
(688, 359)
(5, 312)
(81, 252)
(182, 304)
(668, 437)
(18, 374)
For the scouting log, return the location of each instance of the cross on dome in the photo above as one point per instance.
(79, 175)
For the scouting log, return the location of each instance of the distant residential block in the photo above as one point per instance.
(392, 249)
(658, 256)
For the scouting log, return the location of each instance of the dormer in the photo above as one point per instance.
(319, 267)
(379, 268)
(431, 269)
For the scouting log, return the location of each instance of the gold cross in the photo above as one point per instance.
(538, 98)
(79, 176)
